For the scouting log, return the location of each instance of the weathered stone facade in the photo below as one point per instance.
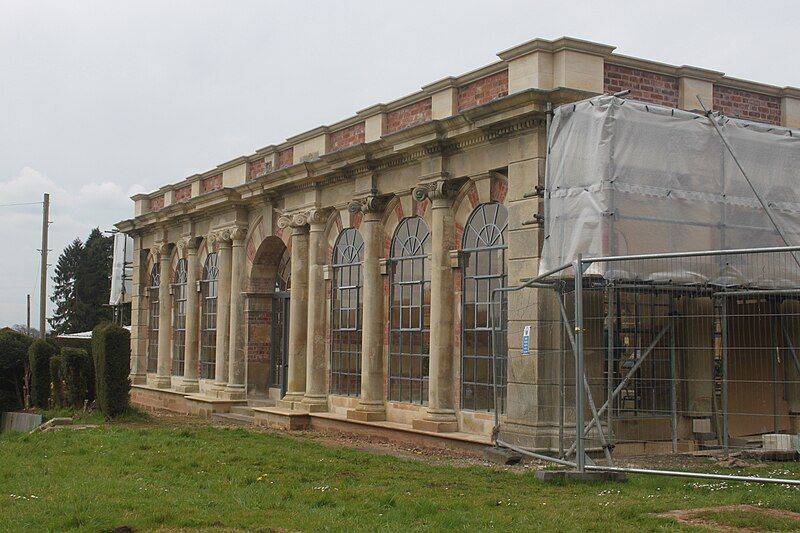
(277, 307)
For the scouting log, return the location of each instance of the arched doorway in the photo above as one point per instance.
(267, 320)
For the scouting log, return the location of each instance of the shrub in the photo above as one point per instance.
(56, 382)
(13, 360)
(85, 345)
(111, 347)
(77, 371)
(39, 355)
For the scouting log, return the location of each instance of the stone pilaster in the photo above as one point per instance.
(138, 318)
(223, 309)
(236, 361)
(371, 404)
(316, 397)
(190, 382)
(441, 412)
(163, 379)
(298, 310)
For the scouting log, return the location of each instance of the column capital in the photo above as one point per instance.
(163, 248)
(319, 216)
(187, 243)
(373, 203)
(440, 192)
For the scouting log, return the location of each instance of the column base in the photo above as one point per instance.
(162, 382)
(290, 401)
(188, 386)
(368, 411)
(233, 392)
(138, 378)
(435, 426)
(437, 421)
(366, 416)
(314, 404)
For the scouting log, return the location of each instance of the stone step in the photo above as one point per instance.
(242, 410)
(233, 418)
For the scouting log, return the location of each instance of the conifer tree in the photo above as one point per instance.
(93, 285)
(65, 316)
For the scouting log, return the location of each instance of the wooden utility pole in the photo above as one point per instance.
(43, 280)
(28, 323)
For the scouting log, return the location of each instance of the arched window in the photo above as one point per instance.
(484, 269)
(348, 255)
(179, 318)
(208, 321)
(409, 340)
(152, 334)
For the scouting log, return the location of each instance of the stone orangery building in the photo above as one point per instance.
(340, 279)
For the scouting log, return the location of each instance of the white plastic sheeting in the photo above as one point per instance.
(121, 269)
(624, 177)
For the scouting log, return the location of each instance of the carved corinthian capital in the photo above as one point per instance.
(318, 216)
(369, 204)
(436, 190)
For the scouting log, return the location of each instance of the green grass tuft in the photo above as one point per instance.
(214, 478)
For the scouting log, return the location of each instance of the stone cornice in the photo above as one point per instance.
(557, 45)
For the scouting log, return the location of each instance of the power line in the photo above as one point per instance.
(23, 203)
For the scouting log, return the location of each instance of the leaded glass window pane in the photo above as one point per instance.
(208, 319)
(152, 333)
(409, 312)
(483, 270)
(348, 255)
(179, 318)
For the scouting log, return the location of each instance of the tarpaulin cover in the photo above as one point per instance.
(624, 177)
(121, 269)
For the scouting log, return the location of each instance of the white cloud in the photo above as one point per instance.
(73, 213)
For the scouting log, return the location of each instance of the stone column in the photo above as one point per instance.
(316, 397)
(441, 414)
(298, 311)
(236, 362)
(190, 383)
(138, 317)
(223, 310)
(371, 404)
(162, 379)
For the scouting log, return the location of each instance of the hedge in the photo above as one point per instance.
(56, 382)
(13, 362)
(85, 345)
(39, 355)
(77, 371)
(111, 348)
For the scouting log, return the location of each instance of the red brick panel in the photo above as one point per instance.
(211, 184)
(747, 105)
(346, 137)
(408, 116)
(257, 168)
(183, 194)
(157, 203)
(483, 91)
(286, 158)
(644, 85)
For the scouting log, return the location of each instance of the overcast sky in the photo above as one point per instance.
(101, 100)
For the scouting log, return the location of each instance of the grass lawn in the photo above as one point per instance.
(161, 477)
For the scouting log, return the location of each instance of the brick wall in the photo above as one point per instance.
(346, 137)
(286, 158)
(644, 85)
(211, 184)
(408, 116)
(483, 91)
(157, 203)
(747, 105)
(183, 194)
(258, 168)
